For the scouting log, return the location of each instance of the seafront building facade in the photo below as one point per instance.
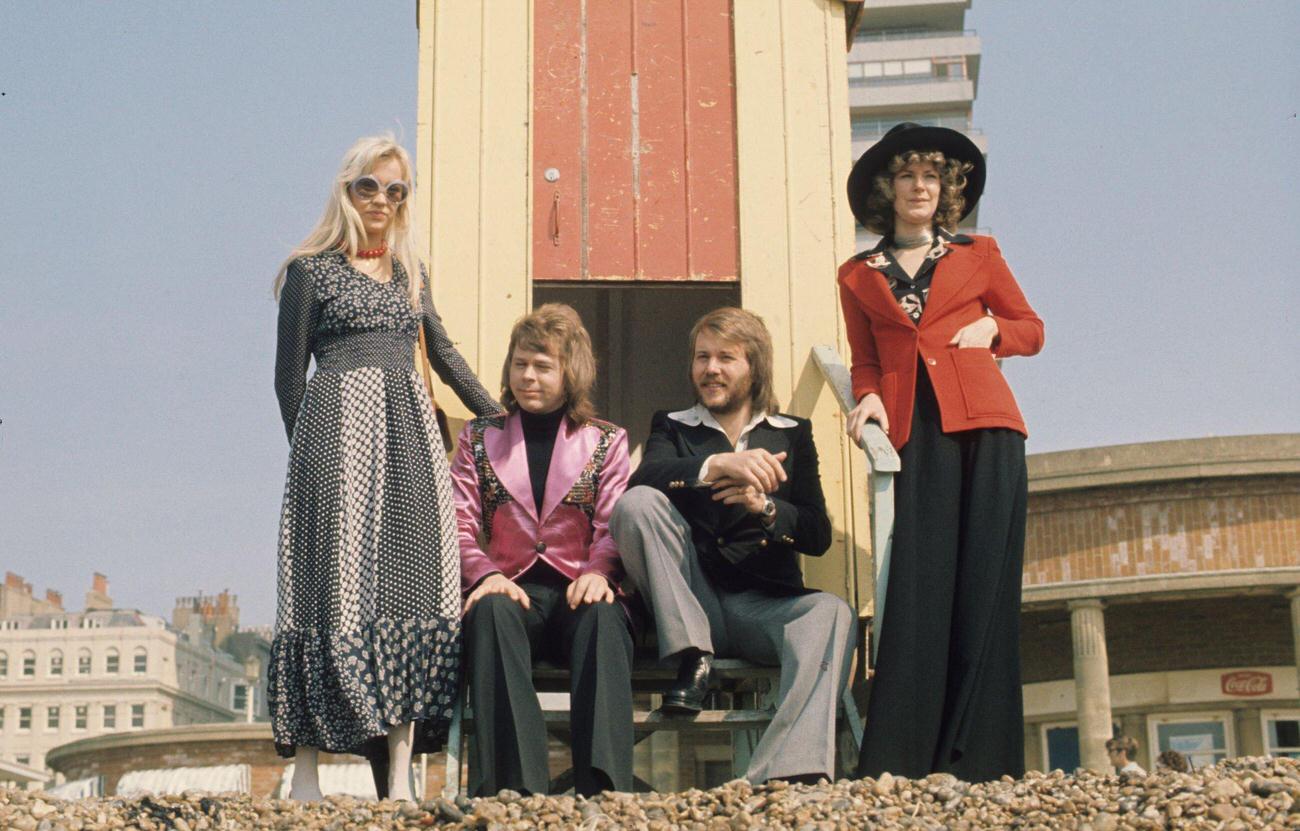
(68, 675)
(1162, 600)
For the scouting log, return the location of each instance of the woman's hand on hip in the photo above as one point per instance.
(977, 335)
(496, 584)
(589, 588)
(870, 408)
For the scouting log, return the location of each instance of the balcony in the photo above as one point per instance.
(911, 92)
(908, 44)
(893, 14)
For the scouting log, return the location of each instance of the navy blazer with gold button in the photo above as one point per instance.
(736, 550)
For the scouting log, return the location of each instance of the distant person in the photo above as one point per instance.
(928, 311)
(727, 496)
(534, 493)
(1121, 749)
(1173, 760)
(367, 632)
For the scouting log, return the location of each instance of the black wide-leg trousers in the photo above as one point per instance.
(946, 694)
(500, 638)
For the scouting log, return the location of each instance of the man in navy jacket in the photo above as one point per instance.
(725, 499)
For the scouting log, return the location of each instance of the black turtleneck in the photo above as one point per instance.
(539, 440)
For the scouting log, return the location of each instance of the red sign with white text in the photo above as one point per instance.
(1246, 683)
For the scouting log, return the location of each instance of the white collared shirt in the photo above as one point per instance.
(699, 414)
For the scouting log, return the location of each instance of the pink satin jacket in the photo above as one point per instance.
(496, 515)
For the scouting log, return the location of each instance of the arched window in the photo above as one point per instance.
(56, 662)
(141, 663)
(111, 661)
(83, 662)
(29, 664)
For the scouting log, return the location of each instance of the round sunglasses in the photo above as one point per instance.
(368, 187)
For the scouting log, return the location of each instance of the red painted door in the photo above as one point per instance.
(634, 145)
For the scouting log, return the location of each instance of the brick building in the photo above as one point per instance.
(1160, 600)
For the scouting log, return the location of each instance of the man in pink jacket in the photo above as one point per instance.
(534, 491)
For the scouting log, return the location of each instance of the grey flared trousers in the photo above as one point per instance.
(810, 636)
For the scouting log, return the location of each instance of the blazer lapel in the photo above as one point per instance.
(509, 457)
(951, 274)
(871, 287)
(573, 448)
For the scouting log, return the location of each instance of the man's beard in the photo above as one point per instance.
(737, 397)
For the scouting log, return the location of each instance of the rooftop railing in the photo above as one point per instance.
(910, 34)
(892, 80)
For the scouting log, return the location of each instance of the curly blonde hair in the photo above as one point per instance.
(557, 330)
(952, 186)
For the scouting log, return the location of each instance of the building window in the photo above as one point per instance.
(110, 716)
(24, 718)
(111, 662)
(4, 664)
(2, 717)
(137, 715)
(950, 67)
(1204, 738)
(56, 662)
(23, 760)
(1282, 734)
(29, 664)
(61, 623)
(81, 716)
(52, 718)
(1061, 745)
(83, 662)
(141, 664)
(239, 698)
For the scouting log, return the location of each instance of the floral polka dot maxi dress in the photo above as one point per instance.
(367, 632)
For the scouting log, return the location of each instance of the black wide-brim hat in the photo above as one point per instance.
(910, 136)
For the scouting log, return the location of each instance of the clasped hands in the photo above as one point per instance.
(588, 588)
(745, 477)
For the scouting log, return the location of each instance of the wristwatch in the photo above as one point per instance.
(769, 510)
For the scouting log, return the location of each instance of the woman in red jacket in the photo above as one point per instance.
(927, 310)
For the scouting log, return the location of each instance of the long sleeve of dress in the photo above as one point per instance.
(299, 311)
(447, 361)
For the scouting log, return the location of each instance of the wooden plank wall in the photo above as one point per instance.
(795, 228)
(472, 173)
(634, 109)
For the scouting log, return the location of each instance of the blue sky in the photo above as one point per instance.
(161, 159)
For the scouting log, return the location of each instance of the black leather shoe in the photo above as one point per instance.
(693, 677)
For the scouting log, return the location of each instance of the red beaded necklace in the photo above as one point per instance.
(371, 253)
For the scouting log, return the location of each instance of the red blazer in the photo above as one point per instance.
(969, 281)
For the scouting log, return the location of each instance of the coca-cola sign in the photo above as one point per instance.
(1246, 683)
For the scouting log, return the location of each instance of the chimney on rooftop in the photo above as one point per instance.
(54, 598)
(97, 597)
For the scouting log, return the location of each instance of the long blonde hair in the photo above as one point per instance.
(340, 228)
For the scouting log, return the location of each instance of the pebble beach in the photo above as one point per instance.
(1242, 793)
